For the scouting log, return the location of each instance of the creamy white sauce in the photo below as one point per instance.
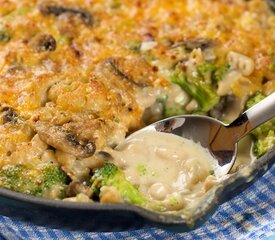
(167, 169)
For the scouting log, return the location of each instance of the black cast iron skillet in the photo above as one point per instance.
(111, 217)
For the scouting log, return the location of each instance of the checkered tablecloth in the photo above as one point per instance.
(250, 215)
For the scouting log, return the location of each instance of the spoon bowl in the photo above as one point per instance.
(219, 138)
(199, 129)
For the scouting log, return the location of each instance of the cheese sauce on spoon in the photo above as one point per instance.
(166, 168)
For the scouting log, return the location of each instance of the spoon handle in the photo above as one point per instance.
(253, 117)
(262, 111)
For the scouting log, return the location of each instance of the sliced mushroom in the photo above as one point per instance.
(9, 115)
(63, 140)
(76, 187)
(57, 10)
(104, 132)
(43, 42)
(16, 69)
(107, 157)
(78, 170)
(229, 108)
(136, 71)
(194, 43)
(271, 4)
(222, 106)
(113, 65)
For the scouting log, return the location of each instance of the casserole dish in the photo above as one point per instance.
(110, 217)
(86, 74)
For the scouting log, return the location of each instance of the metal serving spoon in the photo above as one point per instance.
(219, 138)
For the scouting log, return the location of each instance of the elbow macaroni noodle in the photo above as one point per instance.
(240, 62)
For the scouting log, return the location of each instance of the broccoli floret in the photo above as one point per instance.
(169, 109)
(36, 182)
(206, 70)
(264, 137)
(111, 175)
(264, 143)
(202, 91)
(16, 178)
(220, 72)
(272, 64)
(175, 110)
(211, 72)
(53, 175)
(255, 99)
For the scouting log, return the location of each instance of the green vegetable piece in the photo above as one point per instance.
(206, 70)
(36, 182)
(16, 178)
(141, 169)
(174, 200)
(134, 46)
(53, 175)
(272, 64)
(255, 99)
(18, 12)
(115, 4)
(169, 109)
(269, 52)
(175, 110)
(206, 67)
(264, 143)
(117, 119)
(264, 135)
(62, 40)
(203, 92)
(111, 175)
(209, 71)
(4, 36)
(220, 72)
(272, 67)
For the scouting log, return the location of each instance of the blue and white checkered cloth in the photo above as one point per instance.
(250, 215)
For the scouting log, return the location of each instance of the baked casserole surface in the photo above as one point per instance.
(77, 76)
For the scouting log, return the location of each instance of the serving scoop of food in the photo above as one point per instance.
(219, 138)
(175, 161)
